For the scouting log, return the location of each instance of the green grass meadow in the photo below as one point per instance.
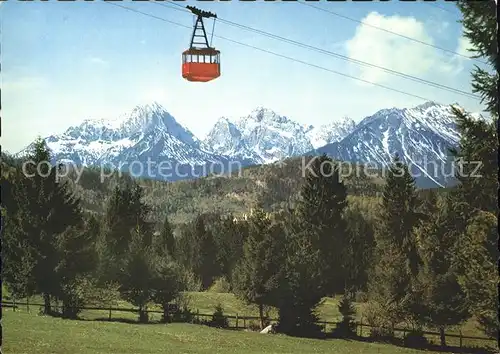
(28, 333)
(25, 332)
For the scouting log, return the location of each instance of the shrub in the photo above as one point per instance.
(380, 322)
(346, 328)
(190, 281)
(382, 334)
(221, 285)
(415, 339)
(183, 313)
(219, 320)
(254, 326)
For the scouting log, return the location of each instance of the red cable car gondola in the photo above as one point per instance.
(200, 64)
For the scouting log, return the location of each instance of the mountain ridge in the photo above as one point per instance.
(419, 134)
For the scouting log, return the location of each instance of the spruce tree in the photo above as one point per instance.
(476, 260)
(203, 252)
(255, 277)
(166, 284)
(165, 243)
(397, 259)
(476, 196)
(320, 214)
(478, 138)
(359, 250)
(18, 259)
(390, 288)
(445, 301)
(46, 207)
(399, 215)
(125, 211)
(229, 238)
(137, 278)
(479, 22)
(77, 258)
(301, 288)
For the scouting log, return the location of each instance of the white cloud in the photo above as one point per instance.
(387, 50)
(463, 45)
(97, 60)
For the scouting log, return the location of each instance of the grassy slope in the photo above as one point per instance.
(30, 334)
(205, 303)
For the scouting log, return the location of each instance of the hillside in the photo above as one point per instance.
(276, 186)
(271, 184)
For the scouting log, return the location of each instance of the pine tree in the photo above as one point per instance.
(165, 243)
(445, 302)
(125, 212)
(397, 260)
(77, 258)
(399, 214)
(17, 255)
(255, 277)
(166, 284)
(204, 252)
(480, 28)
(300, 289)
(46, 207)
(389, 288)
(476, 196)
(359, 249)
(137, 279)
(320, 214)
(229, 238)
(346, 328)
(476, 260)
(478, 139)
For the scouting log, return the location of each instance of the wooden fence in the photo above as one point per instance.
(243, 322)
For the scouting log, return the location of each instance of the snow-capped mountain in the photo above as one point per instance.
(421, 136)
(265, 136)
(331, 133)
(147, 135)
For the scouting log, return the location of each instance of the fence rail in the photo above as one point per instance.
(14, 305)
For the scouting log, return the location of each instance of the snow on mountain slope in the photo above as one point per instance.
(331, 133)
(148, 133)
(422, 136)
(265, 136)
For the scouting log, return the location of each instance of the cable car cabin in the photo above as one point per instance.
(201, 64)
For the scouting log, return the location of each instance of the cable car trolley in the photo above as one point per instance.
(201, 62)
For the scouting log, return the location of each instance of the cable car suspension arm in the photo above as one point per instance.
(200, 14)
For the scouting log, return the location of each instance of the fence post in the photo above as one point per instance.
(14, 304)
(109, 318)
(244, 322)
(236, 321)
(361, 327)
(198, 315)
(324, 326)
(460, 338)
(28, 304)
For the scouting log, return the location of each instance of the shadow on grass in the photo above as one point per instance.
(120, 320)
(393, 341)
(429, 347)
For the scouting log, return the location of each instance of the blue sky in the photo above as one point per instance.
(64, 62)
